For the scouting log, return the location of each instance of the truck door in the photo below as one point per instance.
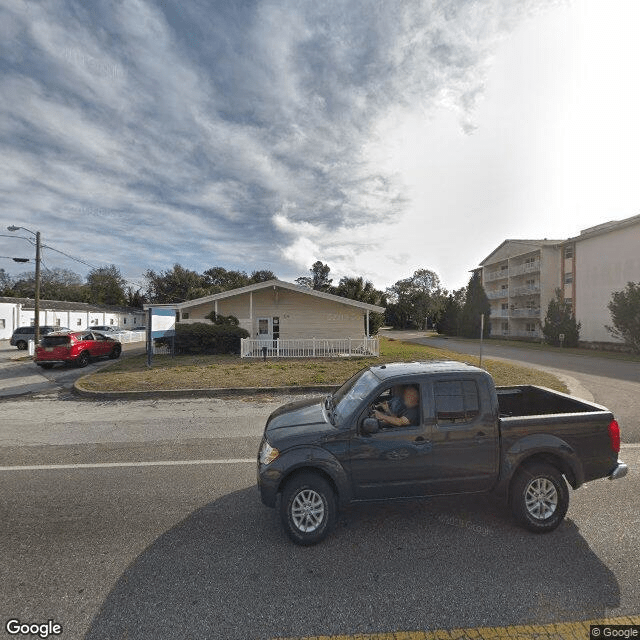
(464, 437)
(391, 462)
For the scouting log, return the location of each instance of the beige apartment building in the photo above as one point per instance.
(520, 277)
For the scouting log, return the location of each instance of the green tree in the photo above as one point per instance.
(476, 303)
(55, 284)
(135, 298)
(414, 301)
(358, 289)
(449, 319)
(319, 278)
(263, 275)
(219, 279)
(625, 315)
(560, 321)
(176, 285)
(106, 286)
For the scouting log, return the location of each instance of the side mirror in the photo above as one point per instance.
(370, 426)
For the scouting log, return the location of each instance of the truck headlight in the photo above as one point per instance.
(267, 453)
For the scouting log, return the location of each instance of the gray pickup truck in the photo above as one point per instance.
(464, 436)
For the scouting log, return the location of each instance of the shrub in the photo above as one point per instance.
(625, 315)
(200, 337)
(560, 321)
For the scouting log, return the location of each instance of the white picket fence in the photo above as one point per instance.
(310, 347)
(128, 336)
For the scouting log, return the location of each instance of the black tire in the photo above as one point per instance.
(45, 365)
(115, 352)
(83, 359)
(539, 497)
(308, 508)
(21, 344)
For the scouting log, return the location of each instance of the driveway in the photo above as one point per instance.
(608, 381)
(20, 376)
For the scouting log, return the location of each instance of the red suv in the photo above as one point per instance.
(77, 347)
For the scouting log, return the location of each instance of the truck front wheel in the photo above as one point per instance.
(539, 497)
(308, 508)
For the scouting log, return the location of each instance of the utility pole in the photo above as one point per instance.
(37, 300)
(37, 291)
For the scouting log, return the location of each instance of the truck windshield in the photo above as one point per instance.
(351, 394)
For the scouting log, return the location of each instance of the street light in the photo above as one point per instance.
(37, 293)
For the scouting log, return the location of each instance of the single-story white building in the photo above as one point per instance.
(288, 319)
(20, 312)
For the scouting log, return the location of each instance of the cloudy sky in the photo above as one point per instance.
(377, 136)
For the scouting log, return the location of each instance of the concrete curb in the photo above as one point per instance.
(199, 393)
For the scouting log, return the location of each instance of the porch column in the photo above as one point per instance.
(251, 312)
(367, 323)
(215, 307)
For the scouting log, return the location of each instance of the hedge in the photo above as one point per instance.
(200, 337)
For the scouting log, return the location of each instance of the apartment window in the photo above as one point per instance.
(124, 321)
(185, 315)
(78, 322)
(111, 321)
(505, 327)
(568, 278)
(504, 267)
(568, 252)
(3, 323)
(58, 322)
(505, 306)
(530, 327)
(504, 287)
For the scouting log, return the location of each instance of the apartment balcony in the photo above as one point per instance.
(527, 290)
(497, 294)
(525, 313)
(529, 267)
(497, 275)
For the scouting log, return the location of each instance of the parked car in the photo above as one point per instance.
(22, 335)
(105, 328)
(75, 347)
(524, 443)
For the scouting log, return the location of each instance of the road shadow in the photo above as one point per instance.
(228, 571)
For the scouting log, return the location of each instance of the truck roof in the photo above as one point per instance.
(397, 369)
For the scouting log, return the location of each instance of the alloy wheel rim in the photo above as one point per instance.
(307, 510)
(541, 498)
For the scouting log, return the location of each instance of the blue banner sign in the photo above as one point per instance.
(163, 322)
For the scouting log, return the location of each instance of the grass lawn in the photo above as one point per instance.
(214, 372)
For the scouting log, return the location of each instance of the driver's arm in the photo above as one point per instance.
(393, 420)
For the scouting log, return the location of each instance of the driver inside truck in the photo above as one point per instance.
(406, 415)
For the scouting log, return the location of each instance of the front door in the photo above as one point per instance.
(393, 462)
(265, 330)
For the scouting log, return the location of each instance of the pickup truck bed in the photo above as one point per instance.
(527, 400)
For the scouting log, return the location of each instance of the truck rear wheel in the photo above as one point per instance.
(308, 508)
(539, 497)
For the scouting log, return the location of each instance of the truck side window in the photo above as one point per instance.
(456, 401)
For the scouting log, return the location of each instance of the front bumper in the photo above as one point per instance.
(620, 471)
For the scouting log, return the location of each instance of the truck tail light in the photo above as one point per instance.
(614, 435)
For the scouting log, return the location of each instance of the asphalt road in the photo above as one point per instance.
(155, 530)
